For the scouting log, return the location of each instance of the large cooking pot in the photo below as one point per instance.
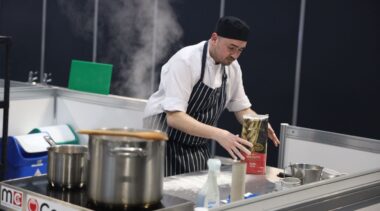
(126, 167)
(67, 166)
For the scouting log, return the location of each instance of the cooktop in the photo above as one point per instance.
(39, 188)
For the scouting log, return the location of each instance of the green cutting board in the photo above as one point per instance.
(90, 77)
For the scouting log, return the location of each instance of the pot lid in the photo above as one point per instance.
(33, 143)
(143, 134)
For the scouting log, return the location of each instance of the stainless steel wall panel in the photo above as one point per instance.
(341, 152)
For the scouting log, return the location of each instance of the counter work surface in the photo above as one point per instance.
(179, 191)
(187, 186)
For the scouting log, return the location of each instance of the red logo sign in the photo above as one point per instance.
(11, 198)
(17, 198)
(32, 204)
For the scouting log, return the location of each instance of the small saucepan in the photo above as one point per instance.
(67, 165)
(307, 173)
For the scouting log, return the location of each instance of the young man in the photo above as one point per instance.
(197, 84)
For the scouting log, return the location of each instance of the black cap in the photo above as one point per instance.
(233, 28)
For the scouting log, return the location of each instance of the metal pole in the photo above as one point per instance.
(221, 14)
(221, 10)
(153, 71)
(43, 33)
(298, 63)
(95, 34)
(281, 154)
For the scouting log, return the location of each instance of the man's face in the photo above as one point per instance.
(226, 50)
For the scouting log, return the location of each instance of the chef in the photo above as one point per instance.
(197, 84)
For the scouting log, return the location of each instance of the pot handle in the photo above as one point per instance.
(128, 151)
(49, 140)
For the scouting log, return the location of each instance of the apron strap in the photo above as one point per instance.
(203, 60)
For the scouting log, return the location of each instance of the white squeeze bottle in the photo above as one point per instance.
(208, 196)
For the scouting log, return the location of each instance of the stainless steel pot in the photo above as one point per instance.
(125, 170)
(307, 173)
(67, 166)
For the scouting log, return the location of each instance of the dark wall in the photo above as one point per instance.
(341, 67)
(22, 19)
(23, 24)
(197, 18)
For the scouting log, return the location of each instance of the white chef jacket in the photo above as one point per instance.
(183, 71)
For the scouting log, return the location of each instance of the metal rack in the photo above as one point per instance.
(4, 104)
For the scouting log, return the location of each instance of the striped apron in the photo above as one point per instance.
(186, 153)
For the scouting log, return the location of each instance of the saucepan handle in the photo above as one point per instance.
(49, 140)
(128, 151)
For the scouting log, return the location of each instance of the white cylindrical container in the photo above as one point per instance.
(238, 180)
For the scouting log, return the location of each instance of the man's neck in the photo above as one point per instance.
(211, 51)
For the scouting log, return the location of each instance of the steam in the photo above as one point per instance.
(134, 35)
(141, 33)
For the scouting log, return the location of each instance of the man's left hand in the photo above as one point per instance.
(272, 135)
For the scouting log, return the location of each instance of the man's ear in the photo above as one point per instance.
(214, 36)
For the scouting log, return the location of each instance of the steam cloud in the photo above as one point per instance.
(139, 34)
(136, 27)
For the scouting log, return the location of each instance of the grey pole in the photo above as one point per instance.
(95, 34)
(298, 63)
(43, 33)
(221, 14)
(153, 72)
(221, 10)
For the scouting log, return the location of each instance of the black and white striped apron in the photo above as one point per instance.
(184, 152)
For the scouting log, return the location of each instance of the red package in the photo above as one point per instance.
(254, 130)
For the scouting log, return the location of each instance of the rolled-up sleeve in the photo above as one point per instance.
(177, 84)
(239, 104)
(173, 104)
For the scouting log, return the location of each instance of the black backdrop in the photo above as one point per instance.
(340, 61)
(341, 67)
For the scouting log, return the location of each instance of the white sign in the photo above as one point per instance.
(11, 198)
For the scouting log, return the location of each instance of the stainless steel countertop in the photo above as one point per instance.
(187, 186)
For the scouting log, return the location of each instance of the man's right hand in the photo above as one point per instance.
(233, 144)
